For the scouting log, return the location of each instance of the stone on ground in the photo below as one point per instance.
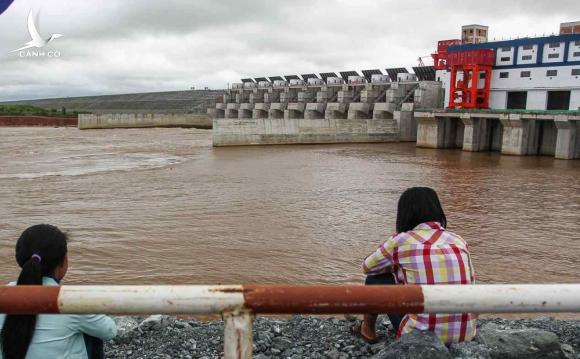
(469, 350)
(416, 346)
(520, 343)
(155, 322)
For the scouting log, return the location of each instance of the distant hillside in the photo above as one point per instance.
(192, 101)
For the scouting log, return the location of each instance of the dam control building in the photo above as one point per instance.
(532, 73)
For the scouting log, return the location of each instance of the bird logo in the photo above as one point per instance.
(4, 4)
(37, 40)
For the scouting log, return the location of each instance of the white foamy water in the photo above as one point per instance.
(61, 164)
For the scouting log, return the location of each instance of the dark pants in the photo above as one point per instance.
(386, 279)
(95, 348)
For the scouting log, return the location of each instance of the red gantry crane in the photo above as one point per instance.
(470, 74)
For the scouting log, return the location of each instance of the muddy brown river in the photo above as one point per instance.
(151, 206)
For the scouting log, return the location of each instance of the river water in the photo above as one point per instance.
(150, 206)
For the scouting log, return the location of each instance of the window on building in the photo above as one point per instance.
(575, 72)
(553, 56)
(551, 73)
(506, 49)
(517, 100)
(576, 54)
(554, 45)
(504, 75)
(526, 57)
(504, 59)
(558, 100)
(525, 74)
(482, 76)
(577, 43)
(528, 47)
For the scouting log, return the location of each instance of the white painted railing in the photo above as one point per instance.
(238, 304)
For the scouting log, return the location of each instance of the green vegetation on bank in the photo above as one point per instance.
(27, 110)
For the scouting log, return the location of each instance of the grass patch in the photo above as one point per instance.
(27, 110)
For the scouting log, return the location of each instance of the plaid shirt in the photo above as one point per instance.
(428, 255)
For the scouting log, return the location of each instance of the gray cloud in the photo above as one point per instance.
(146, 45)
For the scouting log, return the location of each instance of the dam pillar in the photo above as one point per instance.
(429, 131)
(567, 142)
(232, 110)
(360, 111)
(438, 131)
(295, 110)
(517, 136)
(314, 110)
(406, 123)
(475, 133)
(384, 110)
(261, 110)
(246, 110)
(277, 110)
(336, 110)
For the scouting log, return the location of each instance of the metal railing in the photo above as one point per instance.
(238, 304)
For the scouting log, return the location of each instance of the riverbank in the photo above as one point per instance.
(33, 121)
(313, 337)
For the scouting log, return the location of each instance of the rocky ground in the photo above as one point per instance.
(312, 337)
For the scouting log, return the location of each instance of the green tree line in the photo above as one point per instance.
(27, 110)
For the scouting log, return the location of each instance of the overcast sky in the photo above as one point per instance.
(121, 46)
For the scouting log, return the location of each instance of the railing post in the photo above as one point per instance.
(238, 337)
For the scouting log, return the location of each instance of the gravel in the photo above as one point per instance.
(297, 337)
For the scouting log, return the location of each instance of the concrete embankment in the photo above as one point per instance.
(236, 132)
(140, 120)
(313, 337)
(27, 121)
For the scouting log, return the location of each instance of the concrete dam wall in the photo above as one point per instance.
(140, 120)
(304, 131)
(317, 111)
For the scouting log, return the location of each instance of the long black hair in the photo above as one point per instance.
(419, 205)
(39, 251)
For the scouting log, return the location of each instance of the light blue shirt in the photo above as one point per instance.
(61, 335)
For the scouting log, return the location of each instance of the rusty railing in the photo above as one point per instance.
(238, 304)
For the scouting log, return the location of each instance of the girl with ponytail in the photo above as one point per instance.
(41, 252)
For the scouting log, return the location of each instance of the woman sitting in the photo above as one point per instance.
(422, 252)
(41, 252)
